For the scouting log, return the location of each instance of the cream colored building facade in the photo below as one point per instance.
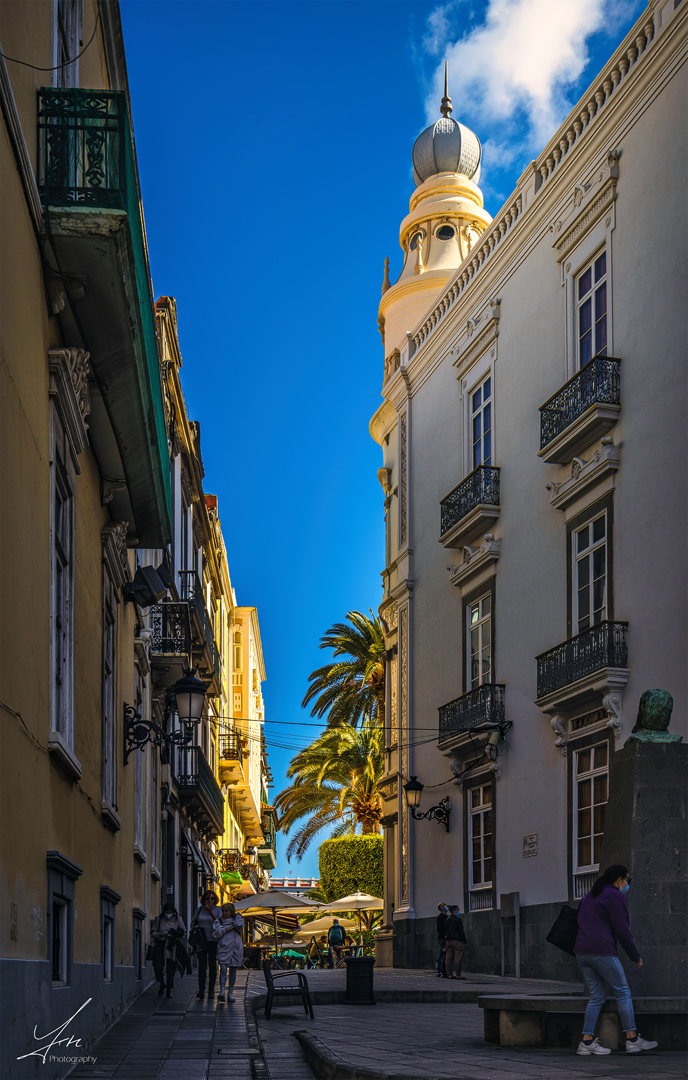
(534, 466)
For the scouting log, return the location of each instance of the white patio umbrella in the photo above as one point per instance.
(318, 925)
(358, 901)
(275, 900)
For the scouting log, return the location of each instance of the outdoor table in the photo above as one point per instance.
(359, 980)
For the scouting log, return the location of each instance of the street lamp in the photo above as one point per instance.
(189, 693)
(413, 790)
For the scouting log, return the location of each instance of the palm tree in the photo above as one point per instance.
(335, 782)
(351, 690)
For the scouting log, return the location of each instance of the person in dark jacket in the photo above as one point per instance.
(441, 920)
(603, 923)
(168, 952)
(205, 915)
(455, 943)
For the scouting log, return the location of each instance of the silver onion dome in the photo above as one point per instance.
(446, 146)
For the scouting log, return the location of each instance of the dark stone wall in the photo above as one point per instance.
(415, 944)
(646, 829)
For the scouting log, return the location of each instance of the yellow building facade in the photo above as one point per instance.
(113, 570)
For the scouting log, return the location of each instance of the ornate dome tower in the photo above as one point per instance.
(446, 218)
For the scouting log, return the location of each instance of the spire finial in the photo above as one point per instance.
(386, 283)
(446, 106)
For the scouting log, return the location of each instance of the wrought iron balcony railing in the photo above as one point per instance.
(192, 590)
(230, 748)
(481, 487)
(229, 859)
(598, 383)
(83, 147)
(269, 831)
(170, 629)
(249, 872)
(195, 780)
(484, 705)
(600, 646)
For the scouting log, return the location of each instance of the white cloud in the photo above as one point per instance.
(519, 61)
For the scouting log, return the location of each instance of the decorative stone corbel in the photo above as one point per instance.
(114, 537)
(495, 769)
(142, 645)
(560, 730)
(612, 704)
(458, 770)
(69, 372)
(385, 478)
(585, 474)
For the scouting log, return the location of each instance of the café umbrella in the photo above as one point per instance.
(358, 901)
(275, 900)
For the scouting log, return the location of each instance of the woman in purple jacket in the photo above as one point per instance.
(602, 922)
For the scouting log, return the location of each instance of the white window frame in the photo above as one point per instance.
(483, 621)
(483, 368)
(577, 557)
(590, 297)
(62, 572)
(109, 692)
(479, 812)
(590, 774)
(71, 31)
(473, 413)
(598, 239)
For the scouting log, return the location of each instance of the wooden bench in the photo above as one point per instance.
(557, 1020)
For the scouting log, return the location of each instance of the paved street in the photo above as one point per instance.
(184, 1039)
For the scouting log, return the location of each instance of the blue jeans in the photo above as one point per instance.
(597, 971)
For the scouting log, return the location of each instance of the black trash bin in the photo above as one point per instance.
(359, 980)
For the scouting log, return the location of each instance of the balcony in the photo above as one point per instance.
(250, 873)
(199, 794)
(206, 652)
(588, 671)
(230, 757)
(585, 408)
(484, 705)
(102, 295)
(228, 860)
(470, 508)
(267, 850)
(170, 642)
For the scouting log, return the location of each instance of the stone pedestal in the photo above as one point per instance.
(646, 829)
(384, 949)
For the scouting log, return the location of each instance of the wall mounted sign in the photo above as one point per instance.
(530, 844)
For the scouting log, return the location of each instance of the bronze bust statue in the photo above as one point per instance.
(654, 715)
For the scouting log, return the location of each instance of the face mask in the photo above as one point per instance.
(625, 888)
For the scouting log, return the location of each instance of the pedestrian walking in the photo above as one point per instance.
(230, 948)
(455, 943)
(335, 939)
(602, 923)
(167, 933)
(205, 946)
(443, 915)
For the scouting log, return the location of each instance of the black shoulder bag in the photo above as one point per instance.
(565, 930)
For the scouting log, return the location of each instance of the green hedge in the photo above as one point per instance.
(350, 863)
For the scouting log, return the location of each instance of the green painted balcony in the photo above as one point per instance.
(100, 290)
(267, 856)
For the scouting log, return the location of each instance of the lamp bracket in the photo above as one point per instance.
(138, 732)
(439, 813)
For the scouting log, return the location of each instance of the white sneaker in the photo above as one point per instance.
(639, 1044)
(584, 1049)
(230, 997)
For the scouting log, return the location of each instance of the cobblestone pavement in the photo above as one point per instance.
(419, 1040)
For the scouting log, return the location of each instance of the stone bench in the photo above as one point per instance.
(557, 1020)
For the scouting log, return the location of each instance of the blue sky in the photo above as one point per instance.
(274, 145)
